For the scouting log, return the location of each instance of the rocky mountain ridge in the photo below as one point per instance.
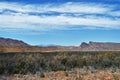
(100, 46)
(11, 45)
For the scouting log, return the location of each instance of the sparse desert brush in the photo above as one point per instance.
(75, 74)
(14, 63)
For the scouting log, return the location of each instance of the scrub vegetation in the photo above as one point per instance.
(44, 63)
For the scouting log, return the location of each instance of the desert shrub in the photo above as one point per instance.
(24, 63)
(115, 77)
(42, 75)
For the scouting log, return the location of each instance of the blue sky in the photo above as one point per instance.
(60, 22)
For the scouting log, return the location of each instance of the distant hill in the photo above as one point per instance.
(12, 42)
(11, 45)
(99, 46)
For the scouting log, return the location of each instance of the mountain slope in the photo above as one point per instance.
(11, 42)
(11, 45)
(99, 46)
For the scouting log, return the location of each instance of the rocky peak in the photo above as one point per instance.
(100, 46)
(84, 44)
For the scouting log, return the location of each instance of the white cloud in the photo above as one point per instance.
(79, 8)
(57, 20)
(66, 7)
(23, 20)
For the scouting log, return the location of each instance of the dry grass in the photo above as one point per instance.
(76, 74)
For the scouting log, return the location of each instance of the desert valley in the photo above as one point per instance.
(89, 61)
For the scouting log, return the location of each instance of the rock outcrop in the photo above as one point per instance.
(100, 46)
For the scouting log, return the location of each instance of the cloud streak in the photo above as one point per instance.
(45, 17)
